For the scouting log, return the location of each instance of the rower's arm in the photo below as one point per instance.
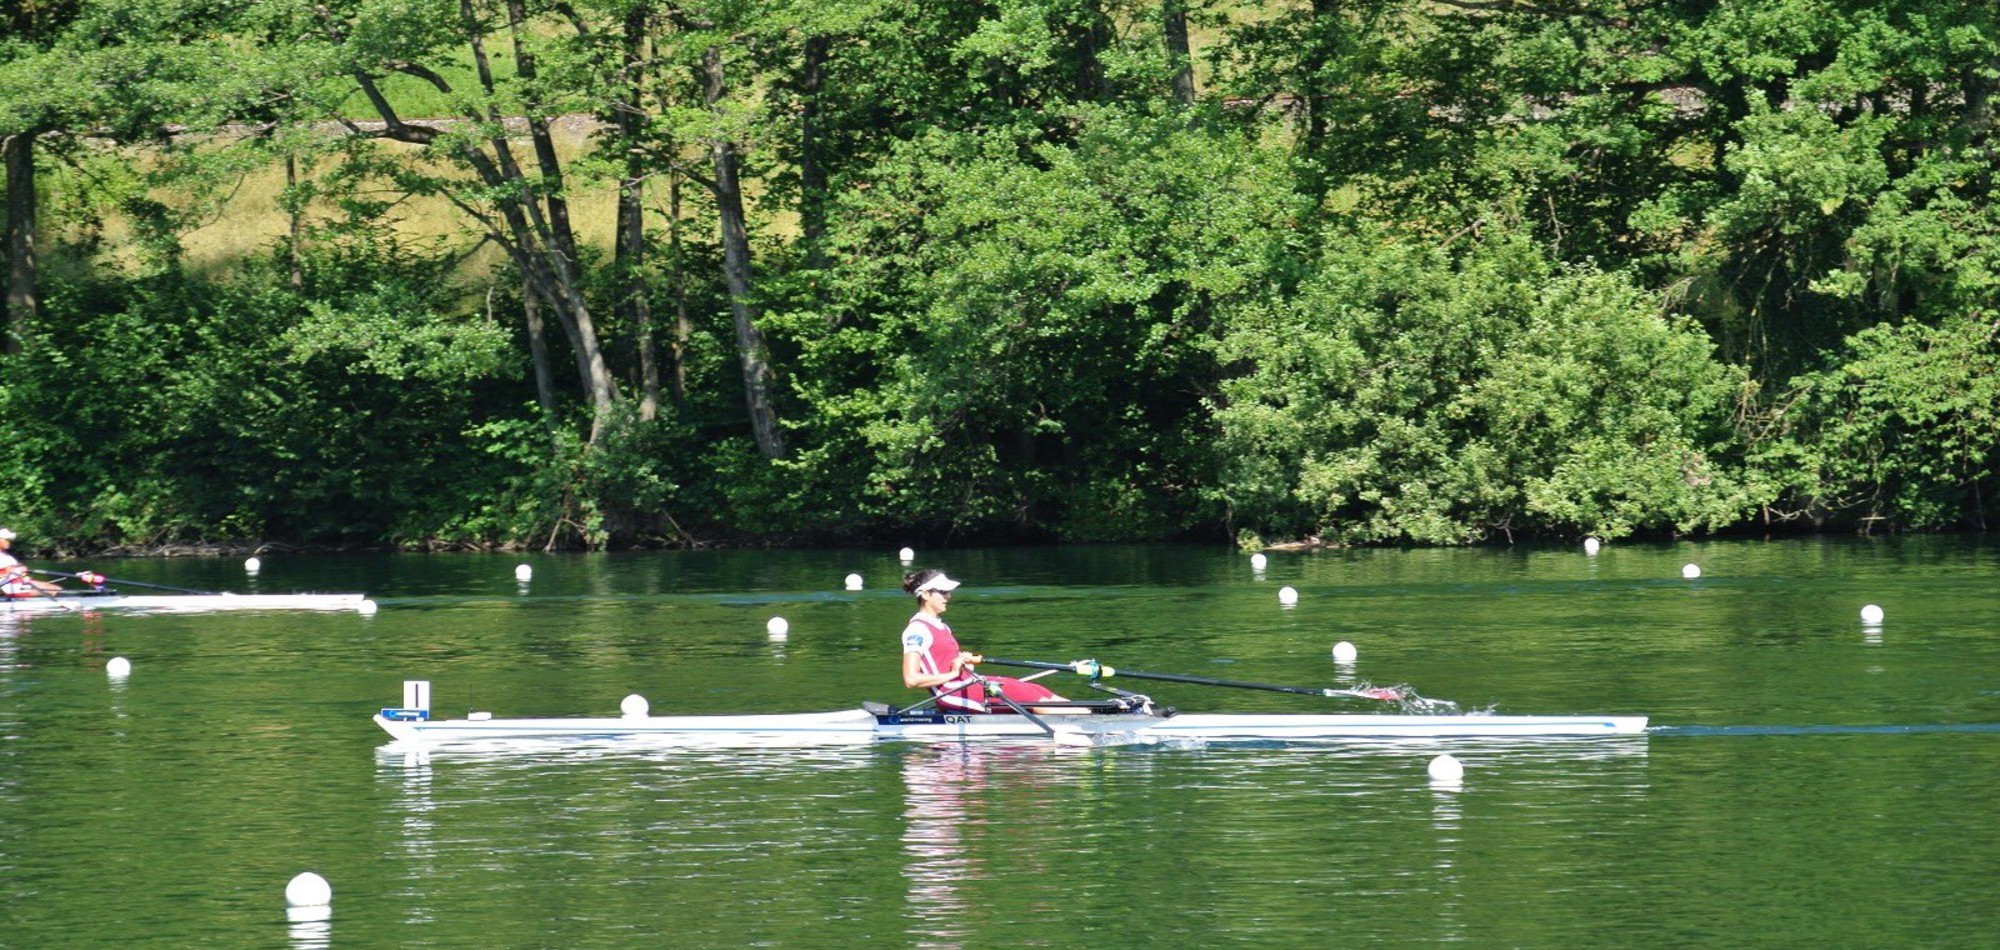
(915, 678)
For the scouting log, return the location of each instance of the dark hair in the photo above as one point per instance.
(916, 578)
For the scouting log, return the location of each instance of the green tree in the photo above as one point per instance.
(1408, 395)
(1906, 432)
(1042, 332)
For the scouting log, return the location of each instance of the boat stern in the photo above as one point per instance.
(401, 721)
(400, 726)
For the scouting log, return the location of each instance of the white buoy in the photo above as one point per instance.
(778, 627)
(906, 555)
(1446, 769)
(252, 565)
(1258, 561)
(1690, 571)
(308, 890)
(368, 608)
(1871, 614)
(1288, 596)
(634, 706)
(1590, 546)
(523, 573)
(118, 668)
(853, 582)
(1344, 652)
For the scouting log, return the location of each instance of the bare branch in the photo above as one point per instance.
(422, 72)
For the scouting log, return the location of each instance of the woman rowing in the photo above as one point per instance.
(932, 659)
(14, 579)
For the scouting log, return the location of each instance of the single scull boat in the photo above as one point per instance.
(112, 600)
(1132, 718)
(101, 595)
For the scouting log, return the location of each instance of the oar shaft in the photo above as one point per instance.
(993, 690)
(126, 583)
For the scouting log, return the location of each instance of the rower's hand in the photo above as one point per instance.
(970, 659)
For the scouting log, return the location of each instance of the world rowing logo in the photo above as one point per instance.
(914, 641)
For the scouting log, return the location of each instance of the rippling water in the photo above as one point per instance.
(1811, 781)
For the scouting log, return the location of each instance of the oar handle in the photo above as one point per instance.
(1096, 670)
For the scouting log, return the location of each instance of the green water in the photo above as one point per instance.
(1813, 783)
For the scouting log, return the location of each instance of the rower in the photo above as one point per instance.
(14, 579)
(932, 659)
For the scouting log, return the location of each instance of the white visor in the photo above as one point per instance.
(939, 582)
(6, 535)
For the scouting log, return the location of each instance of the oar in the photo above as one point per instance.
(1095, 670)
(1070, 736)
(126, 583)
(992, 690)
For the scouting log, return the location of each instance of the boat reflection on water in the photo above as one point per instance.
(986, 821)
(518, 754)
(973, 834)
(10, 647)
(953, 834)
(15, 627)
(939, 782)
(814, 752)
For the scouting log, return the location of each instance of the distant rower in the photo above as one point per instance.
(14, 579)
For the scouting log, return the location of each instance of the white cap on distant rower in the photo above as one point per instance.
(937, 582)
(6, 535)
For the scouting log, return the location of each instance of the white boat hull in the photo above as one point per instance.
(64, 603)
(858, 726)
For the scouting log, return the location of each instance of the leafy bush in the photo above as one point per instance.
(1407, 396)
(1905, 431)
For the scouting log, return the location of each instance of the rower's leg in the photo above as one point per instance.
(1028, 694)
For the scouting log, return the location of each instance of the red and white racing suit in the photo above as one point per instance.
(935, 648)
(14, 578)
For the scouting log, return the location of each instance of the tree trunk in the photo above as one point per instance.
(19, 152)
(538, 132)
(1179, 54)
(683, 324)
(1093, 37)
(812, 174)
(1979, 121)
(750, 345)
(1318, 101)
(559, 240)
(527, 229)
(630, 247)
(676, 260)
(295, 240)
(538, 356)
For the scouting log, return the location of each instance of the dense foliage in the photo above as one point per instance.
(513, 272)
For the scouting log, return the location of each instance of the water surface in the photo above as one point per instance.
(1811, 780)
